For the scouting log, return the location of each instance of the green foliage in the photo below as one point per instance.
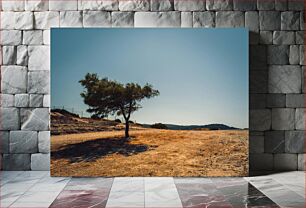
(107, 97)
(159, 126)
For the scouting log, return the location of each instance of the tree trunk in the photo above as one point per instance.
(127, 126)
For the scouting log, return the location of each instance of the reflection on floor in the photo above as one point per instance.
(38, 189)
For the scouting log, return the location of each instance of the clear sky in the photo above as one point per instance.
(202, 74)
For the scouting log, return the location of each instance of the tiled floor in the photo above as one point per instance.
(38, 189)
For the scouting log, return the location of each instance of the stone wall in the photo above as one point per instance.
(276, 68)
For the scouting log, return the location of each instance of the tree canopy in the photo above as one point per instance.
(108, 97)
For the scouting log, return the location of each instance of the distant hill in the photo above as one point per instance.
(196, 127)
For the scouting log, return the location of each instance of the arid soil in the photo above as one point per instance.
(64, 122)
(151, 152)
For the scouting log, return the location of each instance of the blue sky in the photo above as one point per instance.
(202, 74)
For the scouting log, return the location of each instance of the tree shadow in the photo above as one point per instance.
(92, 150)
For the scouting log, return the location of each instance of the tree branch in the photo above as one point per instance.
(123, 113)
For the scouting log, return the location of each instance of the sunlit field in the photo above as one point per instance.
(151, 152)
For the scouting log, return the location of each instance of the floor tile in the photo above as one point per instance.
(7, 176)
(90, 184)
(157, 184)
(161, 192)
(126, 200)
(21, 204)
(50, 184)
(295, 181)
(80, 199)
(277, 192)
(163, 198)
(128, 185)
(38, 190)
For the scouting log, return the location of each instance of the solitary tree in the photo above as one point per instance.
(107, 97)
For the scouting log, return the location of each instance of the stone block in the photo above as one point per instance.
(10, 37)
(36, 100)
(10, 119)
(46, 37)
(296, 5)
(98, 5)
(229, 19)
(22, 55)
(21, 100)
(97, 19)
(253, 38)
(269, 20)
(185, 6)
(285, 79)
(256, 144)
(13, 79)
(281, 5)
(301, 162)
(134, 5)
(16, 162)
(303, 79)
(258, 56)
(39, 82)
(46, 101)
(40, 162)
(260, 119)
(245, 5)
(122, 19)
(37, 5)
(33, 37)
(294, 54)
(274, 141)
(290, 20)
(256, 133)
(265, 5)
(39, 58)
(302, 56)
(302, 20)
(23, 142)
(276, 100)
(300, 119)
(157, 19)
(299, 37)
(285, 162)
(283, 118)
(24, 20)
(9, 55)
(4, 141)
(295, 100)
(13, 5)
(222, 5)
(257, 101)
(186, 19)
(71, 19)
(44, 141)
(295, 142)
(46, 20)
(258, 82)
(162, 5)
(261, 161)
(6, 100)
(7, 22)
(283, 37)
(63, 5)
(252, 21)
(203, 19)
(278, 54)
(36, 119)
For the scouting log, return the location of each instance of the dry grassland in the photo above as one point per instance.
(151, 152)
